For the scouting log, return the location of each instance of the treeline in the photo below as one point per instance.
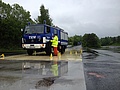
(88, 40)
(92, 40)
(110, 41)
(13, 18)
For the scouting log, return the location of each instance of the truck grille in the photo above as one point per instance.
(34, 40)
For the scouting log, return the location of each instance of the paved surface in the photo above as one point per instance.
(67, 56)
(40, 72)
(41, 75)
(97, 71)
(102, 72)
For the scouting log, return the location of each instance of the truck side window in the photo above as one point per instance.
(47, 29)
(55, 31)
(66, 36)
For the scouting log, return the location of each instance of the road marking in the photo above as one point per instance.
(97, 75)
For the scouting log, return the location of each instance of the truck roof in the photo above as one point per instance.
(56, 27)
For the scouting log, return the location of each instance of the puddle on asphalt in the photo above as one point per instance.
(34, 74)
(89, 56)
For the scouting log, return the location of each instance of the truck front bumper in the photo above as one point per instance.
(33, 46)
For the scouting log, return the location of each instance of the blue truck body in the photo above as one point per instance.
(37, 38)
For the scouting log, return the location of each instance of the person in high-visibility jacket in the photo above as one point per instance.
(55, 44)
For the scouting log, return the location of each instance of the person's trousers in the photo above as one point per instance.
(55, 51)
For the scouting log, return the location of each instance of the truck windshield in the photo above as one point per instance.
(34, 29)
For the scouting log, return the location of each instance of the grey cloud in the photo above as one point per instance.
(80, 16)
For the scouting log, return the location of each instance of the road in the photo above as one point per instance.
(89, 71)
(102, 72)
(41, 72)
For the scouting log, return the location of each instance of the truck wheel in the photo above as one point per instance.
(30, 52)
(48, 48)
(48, 51)
(62, 49)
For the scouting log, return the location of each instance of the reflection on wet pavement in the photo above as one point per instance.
(39, 73)
(49, 68)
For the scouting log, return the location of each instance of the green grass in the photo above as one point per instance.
(20, 50)
(116, 44)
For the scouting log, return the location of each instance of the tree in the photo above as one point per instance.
(21, 15)
(118, 39)
(12, 19)
(110, 41)
(75, 40)
(91, 41)
(45, 17)
(70, 40)
(106, 41)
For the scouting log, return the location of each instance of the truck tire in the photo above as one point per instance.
(48, 48)
(62, 49)
(30, 52)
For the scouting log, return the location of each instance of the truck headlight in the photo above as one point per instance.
(44, 39)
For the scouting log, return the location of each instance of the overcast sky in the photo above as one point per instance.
(101, 17)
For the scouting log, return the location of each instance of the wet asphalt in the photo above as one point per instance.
(41, 75)
(102, 72)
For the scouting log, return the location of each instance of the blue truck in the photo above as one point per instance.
(36, 37)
